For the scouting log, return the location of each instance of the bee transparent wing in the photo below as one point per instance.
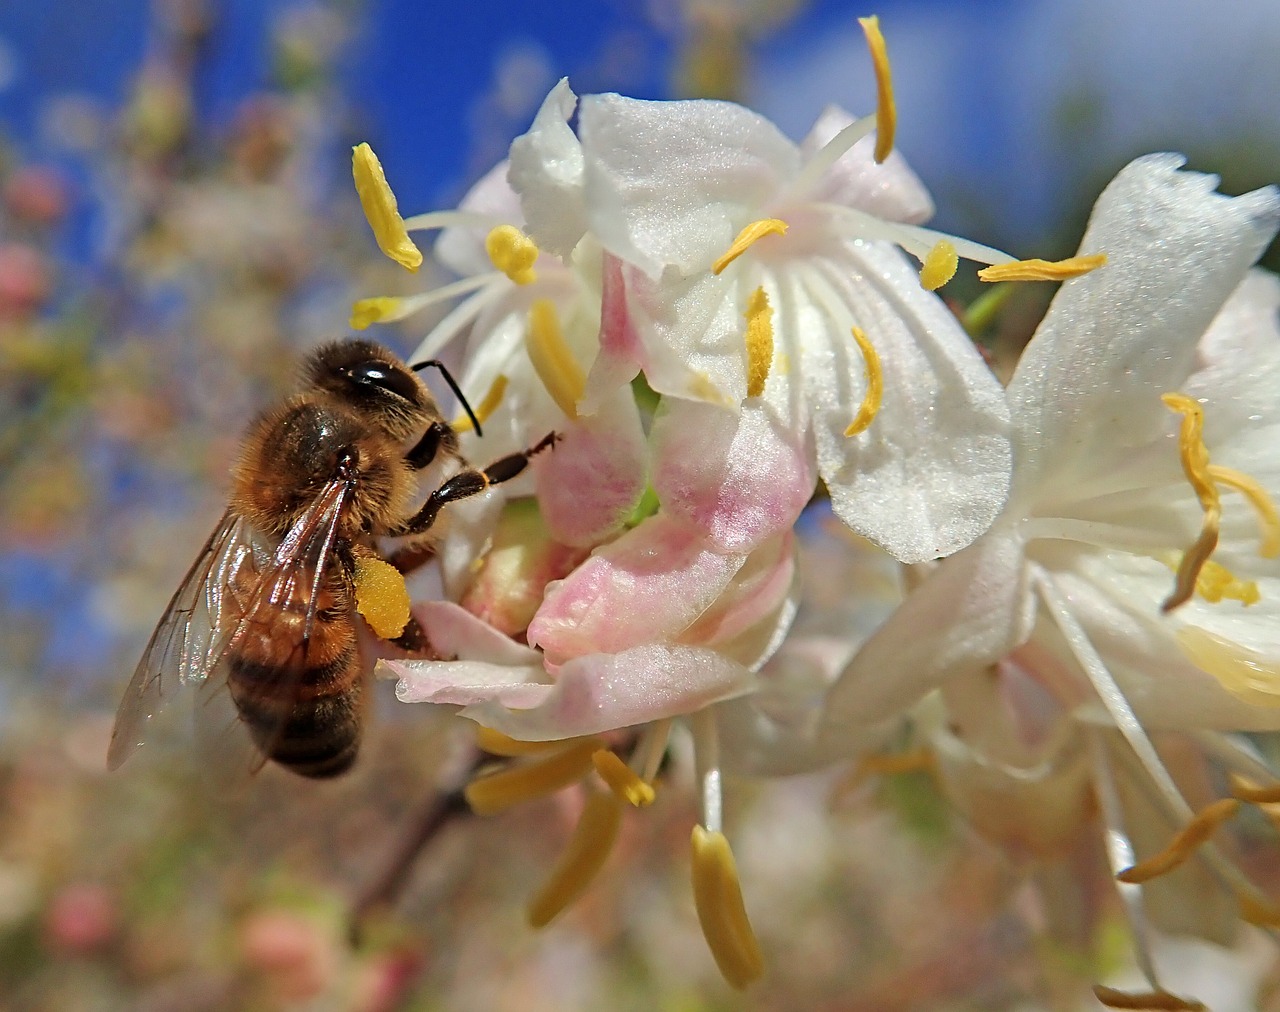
(291, 579)
(189, 640)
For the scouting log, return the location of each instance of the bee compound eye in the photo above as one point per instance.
(385, 377)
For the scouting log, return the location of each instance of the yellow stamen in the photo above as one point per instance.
(1183, 845)
(1242, 672)
(582, 860)
(485, 408)
(1217, 583)
(381, 597)
(875, 385)
(1268, 516)
(1043, 270)
(753, 232)
(1248, 791)
(379, 205)
(497, 743)
(496, 792)
(886, 108)
(1195, 465)
(1254, 910)
(717, 896)
(920, 760)
(513, 253)
(759, 341)
(552, 360)
(380, 309)
(1150, 1001)
(622, 780)
(939, 266)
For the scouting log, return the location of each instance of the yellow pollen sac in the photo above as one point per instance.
(552, 359)
(717, 896)
(1196, 832)
(497, 743)
(513, 253)
(1242, 672)
(1268, 517)
(381, 597)
(379, 205)
(939, 266)
(380, 309)
(621, 779)
(1043, 270)
(588, 849)
(1148, 1001)
(886, 108)
(759, 339)
(755, 231)
(496, 792)
(1216, 583)
(485, 408)
(1195, 465)
(875, 385)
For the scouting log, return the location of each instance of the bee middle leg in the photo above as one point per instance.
(465, 484)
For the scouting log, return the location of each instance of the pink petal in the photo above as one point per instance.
(649, 586)
(621, 354)
(463, 683)
(455, 632)
(753, 595)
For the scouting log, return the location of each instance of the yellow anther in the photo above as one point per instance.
(759, 316)
(886, 109)
(1254, 910)
(381, 597)
(1249, 792)
(379, 205)
(1196, 832)
(380, 309)
(1195, 465)
(870, 406)
(1149, 1001)
(485, 408)
(1043, 270)
(1268, 516)
(717, 896)
(752, 233)
(497, 743)
(622, 780)
(496, 792)
(552, 359)
(1242, 672)
(582, 860)
(513, 253)
(1215, 583)
(939, 266)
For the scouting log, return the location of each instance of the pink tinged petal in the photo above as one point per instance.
(602, 692)
(595, 477)
(741, 477)
(969, 613)
(890, 190)
(932, 471)
(546, 171)
(462, 249)
(753, 597)
(1087, 389)
(466, 683)
(621, 355)
(648, 586)
(671, 183)
(455, 632)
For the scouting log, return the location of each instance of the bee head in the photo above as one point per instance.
(370, 378)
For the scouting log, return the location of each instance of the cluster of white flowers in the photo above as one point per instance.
(721, 325)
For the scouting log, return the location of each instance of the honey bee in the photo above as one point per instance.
(266, 614)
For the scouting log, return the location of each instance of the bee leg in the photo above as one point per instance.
(409, 557)
(414, 641)
(438, 438)
(465, 484)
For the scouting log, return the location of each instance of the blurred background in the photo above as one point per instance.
(177, 223)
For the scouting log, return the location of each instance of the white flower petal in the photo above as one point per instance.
(546, 170)
(461, 248)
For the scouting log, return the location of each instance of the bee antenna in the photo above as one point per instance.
(457, 391)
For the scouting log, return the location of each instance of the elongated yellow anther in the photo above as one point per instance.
(870, 406)
(552, 358)
(588, 849)
(622, 780)
(380, 309)
(759, 339)
(1268, 516)
(1183, 845)
(939, 266)
(379, 205)
(1043, 270)
(717, 896)
(886, 108)
(1149, 1001)
(496, 792)
(752, 233)
(485, 408)
(513, 253)
(497, 743)
(1195, 465)
(381, 597)
(1250, 793)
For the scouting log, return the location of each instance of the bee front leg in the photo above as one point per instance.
(415, 642)
(465, 484)
(439, 438)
